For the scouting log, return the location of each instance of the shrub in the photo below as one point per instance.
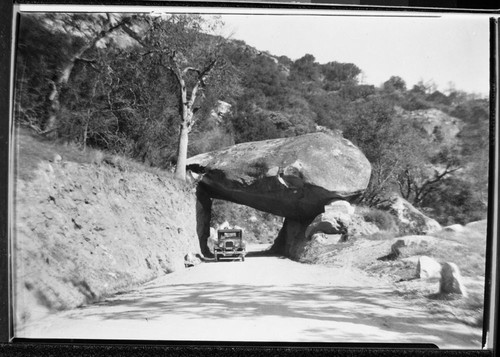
(383, 220)
(454, 200)
(381, 236)
(415, 103)
(258, 168)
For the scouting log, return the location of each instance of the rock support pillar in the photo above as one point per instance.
(203, 216)
(291, 239)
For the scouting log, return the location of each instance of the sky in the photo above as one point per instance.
(444, 50)
(430, 47)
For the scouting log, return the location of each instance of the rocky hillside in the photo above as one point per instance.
(437, 125)
(431, 147)
(88, 225)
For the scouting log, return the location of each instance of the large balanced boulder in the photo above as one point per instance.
(290, 177)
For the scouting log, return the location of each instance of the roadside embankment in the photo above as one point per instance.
(85, 230)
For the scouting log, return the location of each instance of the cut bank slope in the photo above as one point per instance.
(88, 225)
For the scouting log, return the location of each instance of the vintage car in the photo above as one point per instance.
(230, 245)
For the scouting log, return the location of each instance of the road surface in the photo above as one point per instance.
(265, 298)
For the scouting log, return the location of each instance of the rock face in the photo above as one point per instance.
(408, 218)
(437, 124)
(291, 177)
(451, 280)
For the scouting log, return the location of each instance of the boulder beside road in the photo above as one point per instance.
(409, 219)
(451, 280)
(428, 268)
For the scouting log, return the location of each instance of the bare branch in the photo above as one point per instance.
(187, 69)
(207, 69)
(86, 60)
(134, 35)
(150, 52)
(200, 81)
(100, 36)
(175, 69)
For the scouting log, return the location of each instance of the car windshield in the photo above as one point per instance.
(228, 235)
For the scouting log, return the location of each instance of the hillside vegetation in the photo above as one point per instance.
(98, 81)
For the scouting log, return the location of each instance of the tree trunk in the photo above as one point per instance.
(180, 169)
(54, 103)
(185, 127)
(53, 107)
(64, 75)
(85, 134)
(186, 110)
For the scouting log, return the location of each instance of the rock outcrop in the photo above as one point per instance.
(292, 177)
(409, 219)
(437, 124)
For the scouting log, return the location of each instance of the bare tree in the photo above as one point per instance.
(87, 30)
(417, 181)
(415, 186)
(179, 44)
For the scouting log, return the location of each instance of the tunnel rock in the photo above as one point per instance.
(297, 178)
(289, 177)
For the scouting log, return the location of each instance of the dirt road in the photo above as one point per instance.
(264, 298)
